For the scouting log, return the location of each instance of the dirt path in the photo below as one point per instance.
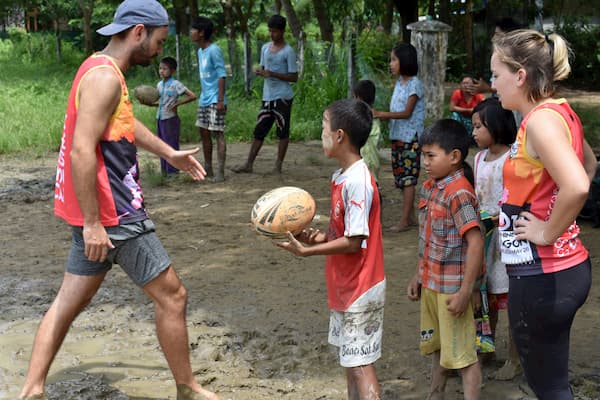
(257, 316)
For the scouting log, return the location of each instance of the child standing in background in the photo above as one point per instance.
(167, 120)
(407, 120)
(212, 106)
(463, 101)
(279, 69)
(450, 258)
(365, 90)
(353, 248)
(494, 131)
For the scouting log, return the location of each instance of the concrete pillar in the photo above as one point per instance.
(430, 38)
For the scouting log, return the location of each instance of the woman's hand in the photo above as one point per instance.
(529, 227)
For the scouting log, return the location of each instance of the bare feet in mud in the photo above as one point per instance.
(184, 392)
(219, 177)
(242, 169)
(508, 371)
(39, 396)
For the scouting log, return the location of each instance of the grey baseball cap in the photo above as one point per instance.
(133, 12)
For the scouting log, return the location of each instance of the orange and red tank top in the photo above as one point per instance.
(529, 187)
(117, 177)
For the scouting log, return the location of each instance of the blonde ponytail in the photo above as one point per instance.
(560, 56)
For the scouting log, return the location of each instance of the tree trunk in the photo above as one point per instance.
(193, 11)
(409, 11)
(300, 58)
(326, 28)
(322, 16)
(232, 49)
(181, 18)
(247, 62)
(388, 17)
(57, 40)
(468, 29)
(87, 7)
(539, 15)
(445, 11)
(351, 44)
(243, 18)
(296, 28)
(431, 9)
(293, 21)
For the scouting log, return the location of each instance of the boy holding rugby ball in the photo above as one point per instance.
(353, 248)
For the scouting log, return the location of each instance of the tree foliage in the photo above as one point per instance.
(311, 22)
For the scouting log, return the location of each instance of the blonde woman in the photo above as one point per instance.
(545, 187)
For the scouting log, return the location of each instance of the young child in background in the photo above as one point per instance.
(450, 258)
(353, 248)
(365, 90)
(494, 131)
(212, 106)
(407, 119)
(463, 101)
(167, 120)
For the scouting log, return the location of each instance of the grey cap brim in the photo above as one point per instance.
(112, 29)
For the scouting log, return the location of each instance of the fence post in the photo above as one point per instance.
(430, 38)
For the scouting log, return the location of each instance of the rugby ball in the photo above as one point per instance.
(146, 94)
(282, 210)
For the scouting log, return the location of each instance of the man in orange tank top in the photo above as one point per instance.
(98, 194)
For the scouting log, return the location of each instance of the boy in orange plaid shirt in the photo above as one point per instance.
(450, 258)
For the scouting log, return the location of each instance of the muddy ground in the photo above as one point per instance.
(257, 315)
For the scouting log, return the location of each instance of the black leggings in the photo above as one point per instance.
(541, 309)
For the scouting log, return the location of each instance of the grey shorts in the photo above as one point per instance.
(137, 250)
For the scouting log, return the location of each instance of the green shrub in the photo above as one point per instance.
(591, 122)
(585, 44)
(374, 47)
(456, 66)
(6, 48)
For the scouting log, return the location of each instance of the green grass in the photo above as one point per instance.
(588, 113)
(35, 93)
(35, 98)
(33, 108)
(36, 90)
